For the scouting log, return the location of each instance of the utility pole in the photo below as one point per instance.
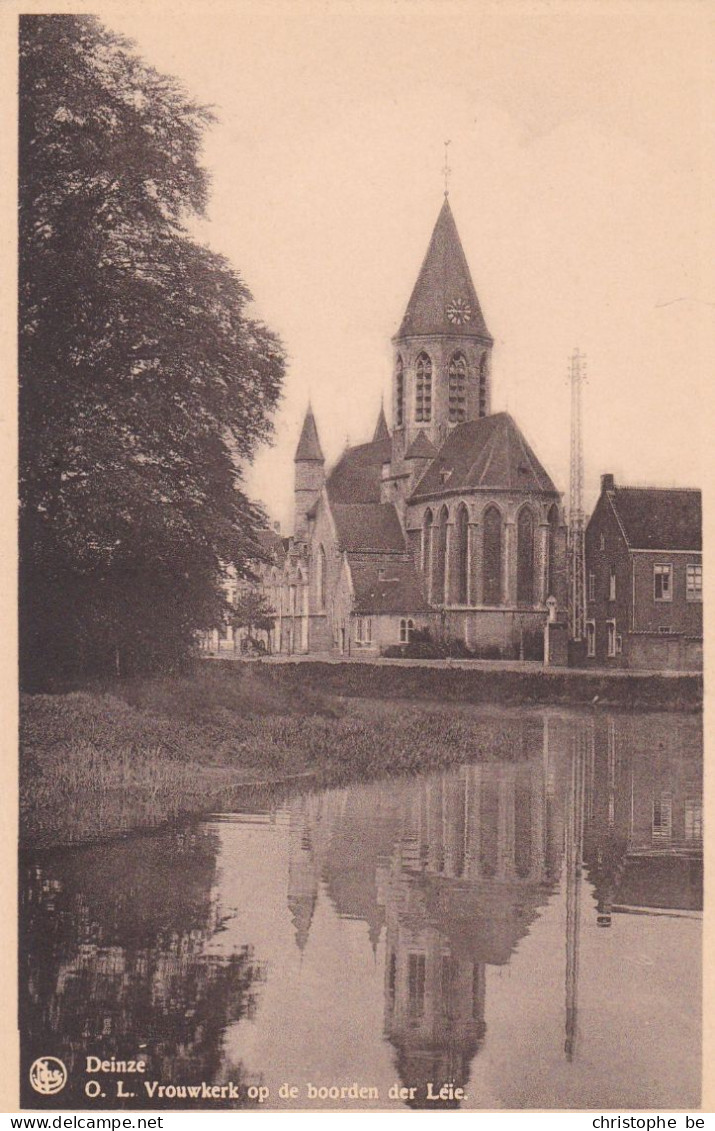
(577, 522)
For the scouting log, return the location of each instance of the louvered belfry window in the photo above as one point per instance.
(423, 389)
(458, 389)
(399, 393)
(483, 385)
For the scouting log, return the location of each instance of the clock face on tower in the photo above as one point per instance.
(459, 311)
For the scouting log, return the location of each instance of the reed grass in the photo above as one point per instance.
(139, 753)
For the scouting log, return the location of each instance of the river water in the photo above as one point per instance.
(522, 932)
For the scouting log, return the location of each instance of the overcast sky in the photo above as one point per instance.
(578, 187)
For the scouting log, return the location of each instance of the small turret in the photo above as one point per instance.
(309, 473)
(382, 432)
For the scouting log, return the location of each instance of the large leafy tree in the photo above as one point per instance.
(144, 384)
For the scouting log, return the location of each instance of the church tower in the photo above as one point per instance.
(442, 351)
(309, 473)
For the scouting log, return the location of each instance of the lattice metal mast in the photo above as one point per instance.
(577, 523)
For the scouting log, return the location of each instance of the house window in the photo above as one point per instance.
(590, 638)
(592, 586)
(602, 542)
(694, 582)
(662, 827)
(612, 585)
(612, 640)
(694, 819)
(423, 389)
(663, 582)
(399, 393)
(363, 630)
(406, 628)
(458, 389)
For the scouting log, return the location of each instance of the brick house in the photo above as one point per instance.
(644, 578)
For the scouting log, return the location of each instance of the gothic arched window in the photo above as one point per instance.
(492, 556)
(483, 384)
(525, 557)
(423, 389)
(553, 520)
(458, 389)
(439, 564)
(399, 393)
(426, 541)
(320, 586)
(462, 556)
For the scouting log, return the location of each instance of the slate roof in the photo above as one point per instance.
(309, 445)
(659, 518)
(368, 527)
(444, 277)
(421, 447)
(384, 583)
(356, 476)
(490, 452)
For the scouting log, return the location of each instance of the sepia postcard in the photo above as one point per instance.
(363, 429)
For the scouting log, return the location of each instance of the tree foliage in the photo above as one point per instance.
(144, 383)
(253, 611)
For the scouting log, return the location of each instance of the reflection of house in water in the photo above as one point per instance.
(643, 824)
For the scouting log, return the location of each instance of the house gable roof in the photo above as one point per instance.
(384, 583)
(659, 518)
(489, 453)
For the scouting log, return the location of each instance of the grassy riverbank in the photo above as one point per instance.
(136, 754)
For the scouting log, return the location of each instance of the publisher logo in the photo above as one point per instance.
(48, 1075)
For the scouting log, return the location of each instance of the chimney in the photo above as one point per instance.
(608, 483)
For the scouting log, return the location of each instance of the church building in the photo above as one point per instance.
(447, 526)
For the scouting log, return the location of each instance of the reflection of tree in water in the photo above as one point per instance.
(114, 958)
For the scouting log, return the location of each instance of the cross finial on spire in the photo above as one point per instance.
(446, 170)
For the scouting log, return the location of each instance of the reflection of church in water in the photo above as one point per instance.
(450, 871)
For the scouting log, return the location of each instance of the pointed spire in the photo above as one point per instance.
(444, 300)
(309, 448)
(382, 432)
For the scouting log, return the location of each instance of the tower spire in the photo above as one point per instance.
(382, 432)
